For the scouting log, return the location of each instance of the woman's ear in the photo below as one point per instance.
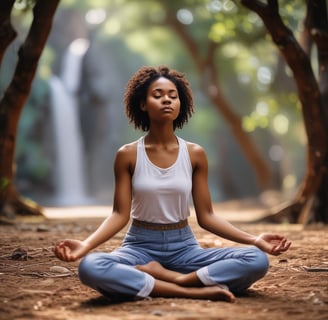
(143, 107)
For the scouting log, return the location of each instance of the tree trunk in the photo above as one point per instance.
(305, 204)
(317, 24)
(15, 96)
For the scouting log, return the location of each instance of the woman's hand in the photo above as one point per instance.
(70, 250)
(272, 243)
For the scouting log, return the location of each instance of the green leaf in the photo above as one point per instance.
(4, 182)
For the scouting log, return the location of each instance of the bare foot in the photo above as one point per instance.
(156, 270)
(214, 293)
(171, 290)
(218, 293)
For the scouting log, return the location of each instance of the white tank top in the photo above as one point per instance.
(161, 195)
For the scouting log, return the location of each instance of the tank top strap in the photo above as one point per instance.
(184, 154)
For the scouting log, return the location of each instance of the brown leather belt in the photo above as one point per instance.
(159, 226)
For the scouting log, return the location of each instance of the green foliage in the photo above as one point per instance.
(44, 71)
(4, 183)
(156, 38)
(24, 5)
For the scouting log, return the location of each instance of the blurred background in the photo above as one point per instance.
(74, 120)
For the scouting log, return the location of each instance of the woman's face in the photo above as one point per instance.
(162, 101)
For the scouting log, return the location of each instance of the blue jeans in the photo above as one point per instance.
(113, 274)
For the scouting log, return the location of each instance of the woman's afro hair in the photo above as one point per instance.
(136, 93)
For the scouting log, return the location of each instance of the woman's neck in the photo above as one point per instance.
(161, 136)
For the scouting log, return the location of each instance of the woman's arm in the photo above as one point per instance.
(207, 219)
(122, 201)
(71, 250)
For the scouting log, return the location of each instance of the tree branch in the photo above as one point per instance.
(300, 64)
(29, 54)
(261, 8)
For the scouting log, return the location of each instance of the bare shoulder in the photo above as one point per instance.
(128, 148)
(194, 147)
(126, 155)
(197, 154)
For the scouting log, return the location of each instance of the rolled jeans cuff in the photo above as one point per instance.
(148, 287)
(204, 277)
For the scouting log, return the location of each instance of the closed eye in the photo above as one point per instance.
(160, 96)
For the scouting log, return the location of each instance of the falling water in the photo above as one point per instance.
(69, 177)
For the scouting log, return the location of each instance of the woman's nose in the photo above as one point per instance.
(167, 99)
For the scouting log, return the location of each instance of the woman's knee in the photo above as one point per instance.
(260, 262)
(257, 265)
(86, 267)
(91, 267)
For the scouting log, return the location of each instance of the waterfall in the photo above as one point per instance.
(69, 164)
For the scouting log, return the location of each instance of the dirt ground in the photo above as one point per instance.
(35, 285)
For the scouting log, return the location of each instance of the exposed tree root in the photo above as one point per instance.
(292, 212)
(15, 206)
